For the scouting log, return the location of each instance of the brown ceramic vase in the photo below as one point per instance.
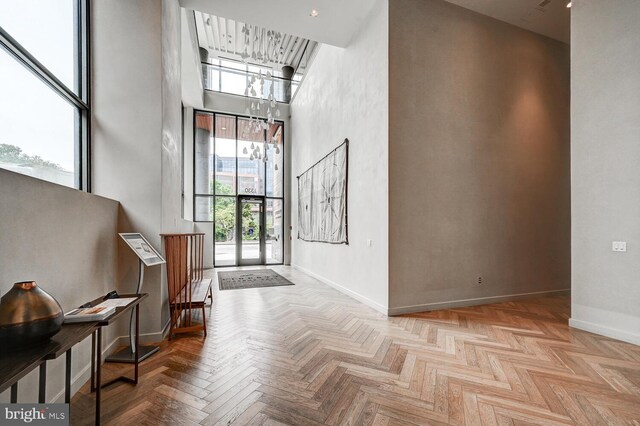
(28, 316)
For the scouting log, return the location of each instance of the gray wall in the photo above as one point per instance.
(171, 134)
(479, 158)
(345, 95)
(127, 122)
(65, 240)
(137, 132)
(605, 166)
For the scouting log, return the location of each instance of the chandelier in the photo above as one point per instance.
(266, 50)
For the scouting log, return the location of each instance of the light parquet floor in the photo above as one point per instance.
(308, 355)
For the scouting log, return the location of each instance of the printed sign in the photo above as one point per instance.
(34, 414)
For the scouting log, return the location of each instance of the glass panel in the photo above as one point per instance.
(37, 126)
(232, 81)
(211, 77)
(241, 66)
(225, 230)
(225, 155)
(204, 209)
(46, 29)
(251, 168)
(251, 215)
(204, 153)
(275, 231)
(275, 161)
(236, 81)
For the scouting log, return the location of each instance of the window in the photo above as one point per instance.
(44, 96)
(231, 164)
(226, 76)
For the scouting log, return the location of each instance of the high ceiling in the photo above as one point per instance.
(225, 38)
(551, 18)
(337, 21)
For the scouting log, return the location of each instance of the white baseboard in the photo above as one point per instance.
(472, 302)
(360, 298)
(603, 330)
(146, 338)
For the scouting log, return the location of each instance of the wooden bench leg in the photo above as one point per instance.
(204, 321)
(170, 323)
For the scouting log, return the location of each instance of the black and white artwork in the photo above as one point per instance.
(322, 199)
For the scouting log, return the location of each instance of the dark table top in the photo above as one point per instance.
(14, 365)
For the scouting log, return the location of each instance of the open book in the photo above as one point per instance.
(96, 313)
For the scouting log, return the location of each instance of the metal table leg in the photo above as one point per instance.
(98, 373)
(93, 361)
(42, 387)
(14, 393)
(137, 341)
(67, 378)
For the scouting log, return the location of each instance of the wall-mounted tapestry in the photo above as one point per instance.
(322, 198)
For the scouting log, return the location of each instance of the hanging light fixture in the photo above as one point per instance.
(266, 49)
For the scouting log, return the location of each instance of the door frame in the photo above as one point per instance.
(286, 234)
(262, 243)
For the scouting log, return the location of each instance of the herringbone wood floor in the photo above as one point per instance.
(307, 354)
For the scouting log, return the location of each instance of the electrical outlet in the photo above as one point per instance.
(619, 246)
(369, 243)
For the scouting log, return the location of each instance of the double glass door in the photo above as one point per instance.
(250, 226)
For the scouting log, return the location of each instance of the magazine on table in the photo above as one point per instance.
(95, 313)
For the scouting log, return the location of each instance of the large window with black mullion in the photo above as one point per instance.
(226, 171)
(44, 90)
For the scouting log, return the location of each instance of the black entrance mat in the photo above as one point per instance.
(252, 278)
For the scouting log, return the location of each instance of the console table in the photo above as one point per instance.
(14, 366)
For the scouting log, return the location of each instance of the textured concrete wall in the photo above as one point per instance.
(605, 159)
(137, 137)
(345, 95)
(127, 131)
(66, 241)
(479, 158)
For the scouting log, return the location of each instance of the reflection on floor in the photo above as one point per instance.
(307, 354)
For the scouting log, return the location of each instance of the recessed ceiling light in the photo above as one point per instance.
(569, 4)
(314, 13)
(224, 128)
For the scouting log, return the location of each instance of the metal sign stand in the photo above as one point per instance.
(128, 355)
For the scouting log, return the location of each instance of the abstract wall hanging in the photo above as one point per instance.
(322, 198)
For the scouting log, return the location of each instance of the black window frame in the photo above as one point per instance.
(237, 194)
(79, 97)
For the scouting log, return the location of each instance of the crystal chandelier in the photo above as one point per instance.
(266, 50)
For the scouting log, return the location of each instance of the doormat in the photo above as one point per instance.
(252, 278)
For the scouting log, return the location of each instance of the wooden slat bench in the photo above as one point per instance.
(188, 289)
(200, 291)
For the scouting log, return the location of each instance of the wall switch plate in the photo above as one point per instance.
(620, 246)
(369, 243)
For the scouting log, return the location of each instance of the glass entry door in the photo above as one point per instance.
(250, 238)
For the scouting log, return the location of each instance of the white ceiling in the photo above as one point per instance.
(336, 24)
(551, 18)
(339, 20)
